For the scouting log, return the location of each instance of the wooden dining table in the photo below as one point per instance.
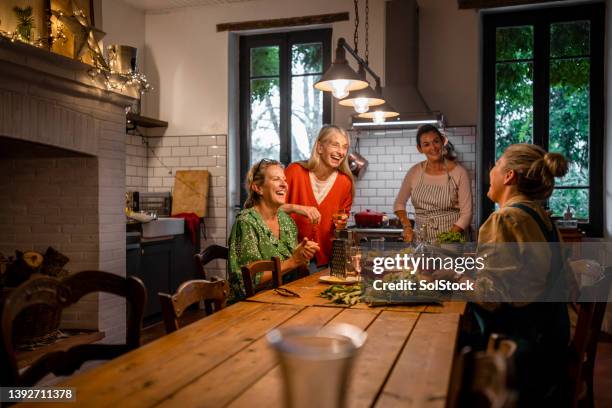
(224, 360)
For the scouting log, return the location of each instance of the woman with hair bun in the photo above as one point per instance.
(523, 288)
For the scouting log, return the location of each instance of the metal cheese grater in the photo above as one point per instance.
(338, 259)
(342, 240)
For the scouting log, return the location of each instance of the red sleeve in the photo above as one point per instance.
(294, 180)
(289, 176)
(347, 202)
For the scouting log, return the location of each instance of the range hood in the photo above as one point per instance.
(402, 69)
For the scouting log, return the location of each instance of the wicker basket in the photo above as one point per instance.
(34, 322)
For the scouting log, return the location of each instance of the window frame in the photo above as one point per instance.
(541, 19)
(284, 40)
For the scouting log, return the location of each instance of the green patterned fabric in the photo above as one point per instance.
(252, 240)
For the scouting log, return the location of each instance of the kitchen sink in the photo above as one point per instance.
(163, 227)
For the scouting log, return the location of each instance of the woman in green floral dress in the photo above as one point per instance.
(261, 230)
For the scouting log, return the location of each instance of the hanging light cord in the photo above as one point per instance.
(367, 28)
(145, 142)
(356, 34)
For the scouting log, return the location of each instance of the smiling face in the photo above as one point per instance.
(432, 146)
(273, 191)
(333, 150)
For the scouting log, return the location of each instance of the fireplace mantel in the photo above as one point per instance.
(48, 70)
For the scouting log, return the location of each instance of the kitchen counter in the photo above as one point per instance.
(392, 234)
(382, 230)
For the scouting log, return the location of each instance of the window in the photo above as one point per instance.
(543, 78)
(281, 112)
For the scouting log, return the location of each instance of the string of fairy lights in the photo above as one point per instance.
(86, 39)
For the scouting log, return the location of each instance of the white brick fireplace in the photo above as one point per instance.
(62, 172)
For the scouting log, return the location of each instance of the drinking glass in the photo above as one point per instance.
(340, 219)
(353, 261)
(316, 363)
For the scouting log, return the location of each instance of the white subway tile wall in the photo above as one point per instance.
(151, 166)
(391, 153)
(135, 164)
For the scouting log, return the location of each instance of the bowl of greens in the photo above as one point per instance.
(451, 240)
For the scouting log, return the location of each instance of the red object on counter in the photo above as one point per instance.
(369, 218)
(192, 222)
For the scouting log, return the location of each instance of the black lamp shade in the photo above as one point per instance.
(340, 70)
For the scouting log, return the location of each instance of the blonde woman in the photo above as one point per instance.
(521, 280)
(319, 187)
(261, 231)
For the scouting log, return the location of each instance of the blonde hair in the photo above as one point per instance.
(257, 175)
(315, 158)
(535, 168)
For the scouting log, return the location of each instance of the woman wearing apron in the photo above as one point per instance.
(439, 189)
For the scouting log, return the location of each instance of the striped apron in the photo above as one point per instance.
(436, 207)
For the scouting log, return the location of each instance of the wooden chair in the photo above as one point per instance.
(59, 294)
(189, 293)
(483, 379)
(583, 346)
(271, 278)
(210, 254)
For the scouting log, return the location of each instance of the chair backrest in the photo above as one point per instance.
(209, 254)
(59, 294)
(270, 275)
(483, 379)
(583, 346)
(191, 292)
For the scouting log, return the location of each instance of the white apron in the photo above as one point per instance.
(436, 207)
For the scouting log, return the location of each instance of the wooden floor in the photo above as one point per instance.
(603, 366)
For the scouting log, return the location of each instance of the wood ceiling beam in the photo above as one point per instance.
(284, 22)
(482, 4)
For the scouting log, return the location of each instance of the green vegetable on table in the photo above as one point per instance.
(343, 294)
(449, 237)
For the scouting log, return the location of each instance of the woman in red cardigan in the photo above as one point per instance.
(320, 187)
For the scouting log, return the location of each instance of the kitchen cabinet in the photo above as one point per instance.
(162, 265)
(155, 270)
